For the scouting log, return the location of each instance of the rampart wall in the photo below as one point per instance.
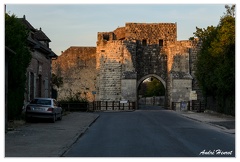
(126, 55)
(77, 66)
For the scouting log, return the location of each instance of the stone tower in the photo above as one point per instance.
(128, 55)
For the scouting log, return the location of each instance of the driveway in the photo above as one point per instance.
(46, 139)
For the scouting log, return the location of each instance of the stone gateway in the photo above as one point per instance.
(128, 55)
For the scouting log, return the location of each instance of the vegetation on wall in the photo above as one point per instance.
(57, 80)
(216, 61)
(16, 39)
(74, 97)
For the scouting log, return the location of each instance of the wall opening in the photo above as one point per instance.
(151, 91)
(144, 42)
(39, 80)
(106, 37)
(160, 42)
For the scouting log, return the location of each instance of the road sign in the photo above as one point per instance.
(124, 101)
(193, 95)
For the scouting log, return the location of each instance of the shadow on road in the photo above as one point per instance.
(150, 107)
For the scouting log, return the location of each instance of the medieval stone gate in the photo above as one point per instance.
(123, 58)
(130, 54)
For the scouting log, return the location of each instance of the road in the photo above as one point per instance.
(151, 133)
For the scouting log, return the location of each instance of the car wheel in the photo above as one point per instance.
(54, 118)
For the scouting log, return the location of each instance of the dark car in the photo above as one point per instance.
(47, 108)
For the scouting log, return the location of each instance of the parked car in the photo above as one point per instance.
(47, 108)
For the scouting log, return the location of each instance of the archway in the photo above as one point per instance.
(151, 90)
(149, 76)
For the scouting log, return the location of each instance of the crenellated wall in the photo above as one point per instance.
(125, 57)
(151, 32)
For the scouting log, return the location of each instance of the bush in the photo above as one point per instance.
(73, 98)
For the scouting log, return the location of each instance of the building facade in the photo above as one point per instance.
(39, 70)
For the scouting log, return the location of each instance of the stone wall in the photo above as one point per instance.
(126, 56)
(110, 58)
(178, 74)
(151, 60)
(153, 33)
(114, 63)
(193, 57)
(77, 66)
(144, 49)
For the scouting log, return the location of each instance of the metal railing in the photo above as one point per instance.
(111, 105)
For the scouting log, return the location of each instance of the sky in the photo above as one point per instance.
(78, 24)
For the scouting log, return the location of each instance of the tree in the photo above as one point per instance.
(216, 61)
(16, 39)
(154, 88)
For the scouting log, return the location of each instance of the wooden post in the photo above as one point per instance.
(100, 105)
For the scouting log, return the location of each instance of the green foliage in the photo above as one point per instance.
(216, 61)
(57, 80)
(152, 88)
(191, 38)
(16, 39)
(73, 98)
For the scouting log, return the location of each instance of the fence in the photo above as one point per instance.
(111, 105)
(155, 100)
(188, 105)
(198, 106)
(80, 106)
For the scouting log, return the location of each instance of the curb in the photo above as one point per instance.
(230, 131)
(75, 139)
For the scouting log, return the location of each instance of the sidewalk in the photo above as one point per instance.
(44, 139)
(224, 122)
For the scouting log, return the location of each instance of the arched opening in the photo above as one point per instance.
(151, 90)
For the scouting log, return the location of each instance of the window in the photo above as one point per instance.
(39, 85)
(41, 102)
(160, 42)
(144, 42)
(106, 37)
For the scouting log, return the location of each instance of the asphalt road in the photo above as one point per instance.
(151, 133)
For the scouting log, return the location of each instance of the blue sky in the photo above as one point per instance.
(77, 24)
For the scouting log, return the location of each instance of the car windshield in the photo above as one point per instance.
(41, 102)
